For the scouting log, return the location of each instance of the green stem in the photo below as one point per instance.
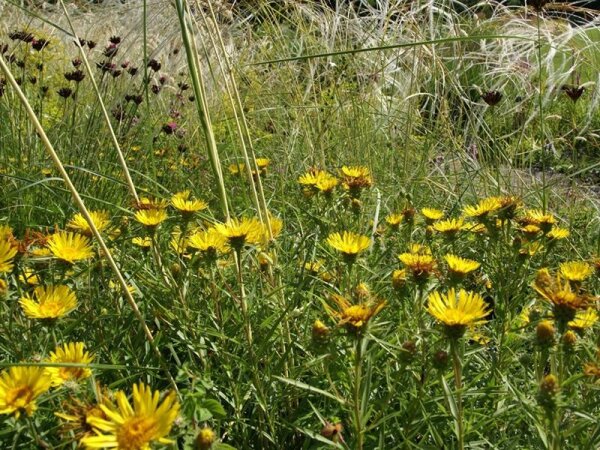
(458, 383)
(357, 393)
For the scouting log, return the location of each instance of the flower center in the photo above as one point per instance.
(357, 314)
(136, 432)
(51, 308)
(19, 397)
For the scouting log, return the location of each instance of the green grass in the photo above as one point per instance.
(395, 90)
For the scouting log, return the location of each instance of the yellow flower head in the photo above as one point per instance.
(70, 247)
(349, 244)
(77, 414)
(543, 220)
(7, 253)
(356, 178)
(354, 317)
(584, 319)
(484, 208)
(564, 301)
(432, 214)
(557, 233)
(449, 227)
(51, 302)
(29, 277)
(79, 224)
(205, 439)
(186, 206)
(460, 267)
(241, 232)
(73, 352)
(151, 218)
(394, 220)
(134, 428)
(209, 242)
(237, 168)
(311, 178)
(20, 387)
(144, 242)
(399, 278)
(457, 311)
(421, 265)
(326, 183)
(575, 270)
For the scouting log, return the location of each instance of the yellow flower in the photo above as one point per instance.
(209, 242)
(241, 232)
(557, 233)
(77, 414)
(541, 219)
(79, 224)
(263, 163)
(20, 387)
(449, 227)
(73, 352)
(460, 267)
(144, 242)
(52, 302)
(354, 317)
(186, 206)
(399, 278)
(70, 247)
(3, 287)
(29, 277)
(394, 220)
(311, 178)
(584, 319)
(7, 253)
(420, 264)
(484, 208)
(356, 178)
(457, 312)
(431, 214)
(349, 244)
(530, 231)
(134, 428)
(326, 183)
(565, 302)
(151, 217)
(575, 270)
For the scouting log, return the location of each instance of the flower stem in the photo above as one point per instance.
(456, 362)
(357, 393)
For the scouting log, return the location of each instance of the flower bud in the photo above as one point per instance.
(544, 333)
(204, 440)
(320, 332)
(440, 360)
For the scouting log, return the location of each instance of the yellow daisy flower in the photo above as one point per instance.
(575, 270)
(209, 242)
(7, 253)
(484, 208)
(70, 247)
(355, 317)
(79, 224)
(186, 206)
(134, 428)
(394, 220)
(151, 218)
(6, 233)
(326, 183)
(431, 215)
(584, 319)
(460, 267)
(564, 301)
(457, 311)
(152, 203)
(557, 233)
(356, 178)
(241, 232)
(144, 242)
(72, 352)
(421, 265)
(449, 227)
(29, 276)
(543, 220)
(52, 302)
(20, 387)
(349, 244)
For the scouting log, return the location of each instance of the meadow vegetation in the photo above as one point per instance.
(297, 225)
